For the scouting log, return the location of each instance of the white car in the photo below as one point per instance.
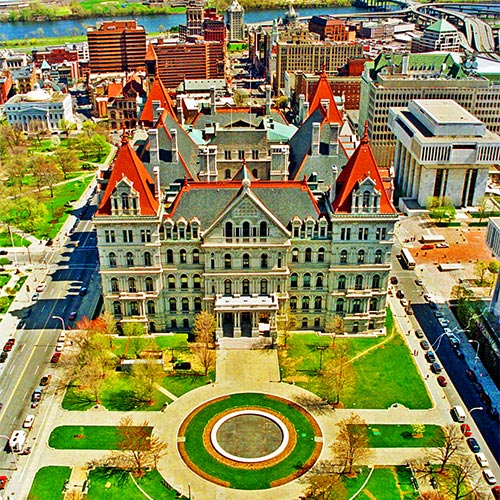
(59, 346)
(428, 297)
(443, 322)
(62, 337)
(28, 421)
(404, 302)
(482, 460)
(489, 476)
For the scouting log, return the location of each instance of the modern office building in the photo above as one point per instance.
(439, 36)
(330, 27)
(245, 216)
(493, 242)
(116, 46)
(235, 22)
(393, 80)
(442, 151)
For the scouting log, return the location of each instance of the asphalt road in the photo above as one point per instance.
(68, 269)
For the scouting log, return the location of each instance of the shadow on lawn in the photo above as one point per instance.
(119, 476)
(125, 400)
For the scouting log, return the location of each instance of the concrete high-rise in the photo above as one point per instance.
(116, 46)
(235, 23)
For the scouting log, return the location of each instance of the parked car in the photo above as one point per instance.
(59, 346)
(404, 302)
(55, 357)
(428, 297)
(442, 245)
(432, 304)
(3, 482)
(409, 311)
(419, 334)
(482, 460)
(473, 445)
(438, 314)
(28, 422)
(425, 345)
(419, 282)
(41, 287)
(3, 252)
(489, 476)
(454, 341)
(35, 297)
(459, 353)
(495, 491)
(3, 356)
(400, 294)
(430, 356)
(427, 246)
(72, 315)
(442, 381)
(62, 337)
(21, 324)
(45, 380)
(394, 280)
(436, 367)
(466, 430)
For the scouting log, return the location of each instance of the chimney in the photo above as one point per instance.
(279, 162)
(212, 100)
(180, 113)
(175, 151)
(154, 150)
(268, 100)
(156, 108)
(156, 176)
(306, 111)
(326, 105)
(333, 145)
(315, 138)
(404, 64)
(302, 98)
(333, 187)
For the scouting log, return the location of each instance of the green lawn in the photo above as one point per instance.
(6, 240)
(244, 478)
(125, 346)
(114, 484)
(49, 483)
(181, 384)
(386, 483)
(117, 394)
(4, 279)
(400, 436)
(85, 437)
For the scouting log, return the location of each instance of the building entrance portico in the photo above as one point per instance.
(241, 316)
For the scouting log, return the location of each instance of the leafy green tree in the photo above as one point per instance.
(481, 268)
(146, 375)
(481, 206)
(67, 160)
(99, 145)
(135, 331)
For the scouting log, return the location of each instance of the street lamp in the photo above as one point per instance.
(476, 408)
(62, 321)
(321, 348)
(477, 349)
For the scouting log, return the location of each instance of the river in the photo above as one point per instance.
(72, 27)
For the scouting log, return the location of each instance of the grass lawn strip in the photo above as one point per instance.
(192, 430)
(86, 437)
(49, 483)
(400, 436)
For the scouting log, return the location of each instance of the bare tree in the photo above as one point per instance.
(204, 334)
(323, 483)
(351, 446)
(46, 172)
(339, 371)
(480, 269)
(462, 480)
(135, 332)
(138, 447)
(451, 447)
(146, 375)
(287, 323)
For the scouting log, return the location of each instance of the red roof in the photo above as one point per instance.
(361, 165)
(158, 92)
(128, 166)
(150, 53)
(324, 91)
(114, 89)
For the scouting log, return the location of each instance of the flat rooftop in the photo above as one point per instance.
(445, 111)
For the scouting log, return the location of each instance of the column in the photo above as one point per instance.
(237, 322)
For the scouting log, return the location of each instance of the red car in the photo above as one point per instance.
(496, 492)
(466, 431)
(427, 247)
(442, 381)
(55, 357)
(9, 345)
(3, 482)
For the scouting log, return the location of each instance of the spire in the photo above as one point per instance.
(323, 92)
(124, 135)
(364, 139)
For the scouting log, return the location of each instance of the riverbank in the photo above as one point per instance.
(41, 12)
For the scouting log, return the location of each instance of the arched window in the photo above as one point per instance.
(319, 281)
(307, 281)
(185, 304)
(305, 303)
(263, 261)
(373, 304)
(358, 284)
(263, 287)
(196, 256)
(341, 282)
(170, 256)
(317, 322)
(376, 281)
(149, 285)
(152, 327)
(255, 173)
(117, 308)
(305, 323)
(227, 261)
(147, 259)
(339, 305)
(228, 230)
(295, 255)
(184, 282)
(171, 282)
(366, 199)
(318, 304)
(182, 256)
(343, 257)
(246, 229)
(130, 259)
(245, 287)
(293, 280)
(263, 229)
(112, 259)
(308, 255)
(378, 257)
(197, 304)
(125, 203)
(228, 287)
(196, 282)
(134, 308)
(246, 261)
(321, 255)
(361, 257)
(151, 307)
(132, 287)
(173, 324)
(356, 306)
(172, 304)
(114, 285)
(293, 303)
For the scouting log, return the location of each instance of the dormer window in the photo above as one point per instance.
(366, 199)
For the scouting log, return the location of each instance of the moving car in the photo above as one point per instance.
(466, 430)
(495, 491)
(482, 460)
(21, 324)
(59, 346)
(471, 375)
(454, 341)
(28, 422)
(27, 313)
(442, 381)
(83, 291)
(459, 353)
(489, 476)
(72, 315)
(443, 322)
(474, 446)
(45, 380)
(35, 296)
(9, 345)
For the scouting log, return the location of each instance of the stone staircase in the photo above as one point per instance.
(244, 342)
